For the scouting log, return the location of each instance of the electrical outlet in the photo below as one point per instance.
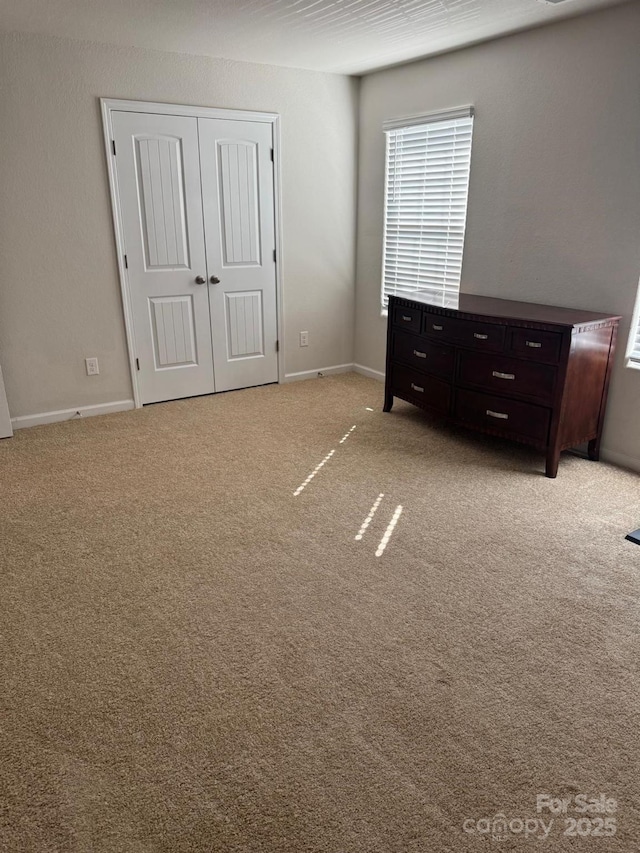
(304, 339)
(92, 366)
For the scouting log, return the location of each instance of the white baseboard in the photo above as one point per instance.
(620, 459)
(313, 374)
(368, 371)
(68, 414)
(336, 368)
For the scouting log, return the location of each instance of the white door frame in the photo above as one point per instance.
(109, 105)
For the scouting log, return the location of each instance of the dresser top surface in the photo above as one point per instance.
(508, 309)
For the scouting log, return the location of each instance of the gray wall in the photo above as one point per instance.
(59, 291)
(554, 201)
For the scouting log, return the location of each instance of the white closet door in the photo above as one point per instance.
(237, 192)
(158, 170)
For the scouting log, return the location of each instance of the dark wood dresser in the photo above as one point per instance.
(532, 373)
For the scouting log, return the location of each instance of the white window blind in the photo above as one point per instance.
(633, 342)
(427, 182)
(634, 351)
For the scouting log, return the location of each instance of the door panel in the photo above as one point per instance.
(158, 169)
(244, 324)
(173, 331)
(239, 215)
(237, 189)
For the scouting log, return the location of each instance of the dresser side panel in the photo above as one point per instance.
(585, 387)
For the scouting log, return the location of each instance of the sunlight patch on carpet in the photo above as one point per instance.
(368, 519)
(387, 534)
(313, 473)
(347, 434)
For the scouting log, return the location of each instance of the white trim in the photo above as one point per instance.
(108, 106)
(187, 110)
(70, 414)
(620, 459)
(314, 374)
(427, 118)
(370, 372)
(5, 418)
(278, 218)
(114, 193)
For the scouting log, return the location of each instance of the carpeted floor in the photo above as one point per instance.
(196, 659)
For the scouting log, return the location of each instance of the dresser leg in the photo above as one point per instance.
(388, 402)
(553, 458)
(593, 449)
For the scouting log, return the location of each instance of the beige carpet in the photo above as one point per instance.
(195, 659)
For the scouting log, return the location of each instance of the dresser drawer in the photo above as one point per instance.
(440, 328)
(509, 376)
(421, 389)
(537, 346)
(484, 337)
(407, 318)
(428, 356)
(508, 416)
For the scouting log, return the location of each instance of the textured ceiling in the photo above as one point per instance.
(348, 36)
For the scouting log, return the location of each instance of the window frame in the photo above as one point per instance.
(634, 335)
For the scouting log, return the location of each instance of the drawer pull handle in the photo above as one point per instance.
(480, 337)
(436, 327)
(499, 375)
(417, 388)
(534, 344)
(419, 354)
(406, 319)
(501, 415)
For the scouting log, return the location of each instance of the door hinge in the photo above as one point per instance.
(277, 346)
(274, 254)
(272, 155)
(137, 364)
(126, 263)
(113, 147)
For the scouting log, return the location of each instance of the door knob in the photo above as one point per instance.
(200, 279)
(214, 280)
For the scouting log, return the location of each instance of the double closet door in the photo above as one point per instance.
(197, 210)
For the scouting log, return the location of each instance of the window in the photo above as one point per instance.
(427, 182)
(633, 347)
